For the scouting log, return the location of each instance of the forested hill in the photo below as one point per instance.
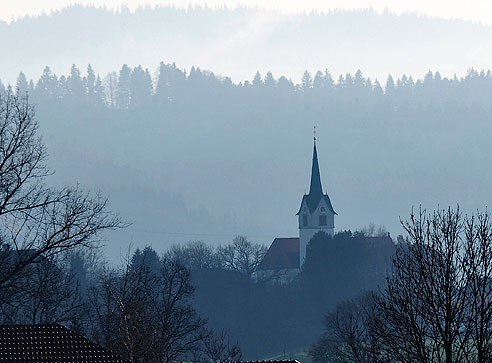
(239, 42)
(201, 157)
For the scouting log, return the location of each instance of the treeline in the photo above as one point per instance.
(143, 309)
(339, 40)
(194, 301)
(136, 88)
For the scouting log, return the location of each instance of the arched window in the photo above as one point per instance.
(304, 220)
(323, 220)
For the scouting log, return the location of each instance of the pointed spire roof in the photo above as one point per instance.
(315, 188)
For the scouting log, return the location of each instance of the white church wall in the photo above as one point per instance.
(306, 233)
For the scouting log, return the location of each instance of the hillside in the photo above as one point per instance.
(239, 42)
(199, 157)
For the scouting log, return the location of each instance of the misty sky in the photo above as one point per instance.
(477, 10)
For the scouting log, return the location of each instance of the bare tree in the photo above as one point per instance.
(437, 302)
(371, 231)
(104, 311)
(194, 255)
(479, 269)
(242, 256)
(47, 293)
(218, 349)
(347, 336)
(38, 222)
(148, 312)
(421, 314)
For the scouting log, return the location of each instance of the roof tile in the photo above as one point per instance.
(50, 343)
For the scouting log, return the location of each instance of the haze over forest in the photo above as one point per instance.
(222, 157)
(237, 43)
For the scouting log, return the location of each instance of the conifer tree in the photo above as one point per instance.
(319, 81)
(329, 82)
(257, 81)
(270, 81)
(76, 84)
(378, 90)
(110, 88)
(47, 83)
(99, 92)
(22, 86)
(389, 89)
(123, 90)
(170, 83)
(306, 81)
(140, 87)
(91, 84)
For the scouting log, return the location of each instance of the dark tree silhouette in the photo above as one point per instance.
(46, 292)
(145, 311)
(218, 349)
(346, 337)
(194, 255)
(242, 256)
(422, 313)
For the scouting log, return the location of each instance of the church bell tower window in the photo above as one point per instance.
(304, 220)
(322, 220)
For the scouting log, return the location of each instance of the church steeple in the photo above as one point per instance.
(316, 212)
(315, 189)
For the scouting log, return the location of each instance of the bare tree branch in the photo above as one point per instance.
(38, 222)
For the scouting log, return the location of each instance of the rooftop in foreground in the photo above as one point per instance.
(50, 343)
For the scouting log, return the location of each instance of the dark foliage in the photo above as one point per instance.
(345, 265)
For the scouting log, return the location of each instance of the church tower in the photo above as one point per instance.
(316, 212)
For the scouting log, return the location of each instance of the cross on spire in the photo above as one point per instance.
(314, 133)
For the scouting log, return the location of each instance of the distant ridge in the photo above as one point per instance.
(241, 41)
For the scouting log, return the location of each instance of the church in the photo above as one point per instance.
(285, 256)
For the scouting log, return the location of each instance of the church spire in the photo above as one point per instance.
(315, 188)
